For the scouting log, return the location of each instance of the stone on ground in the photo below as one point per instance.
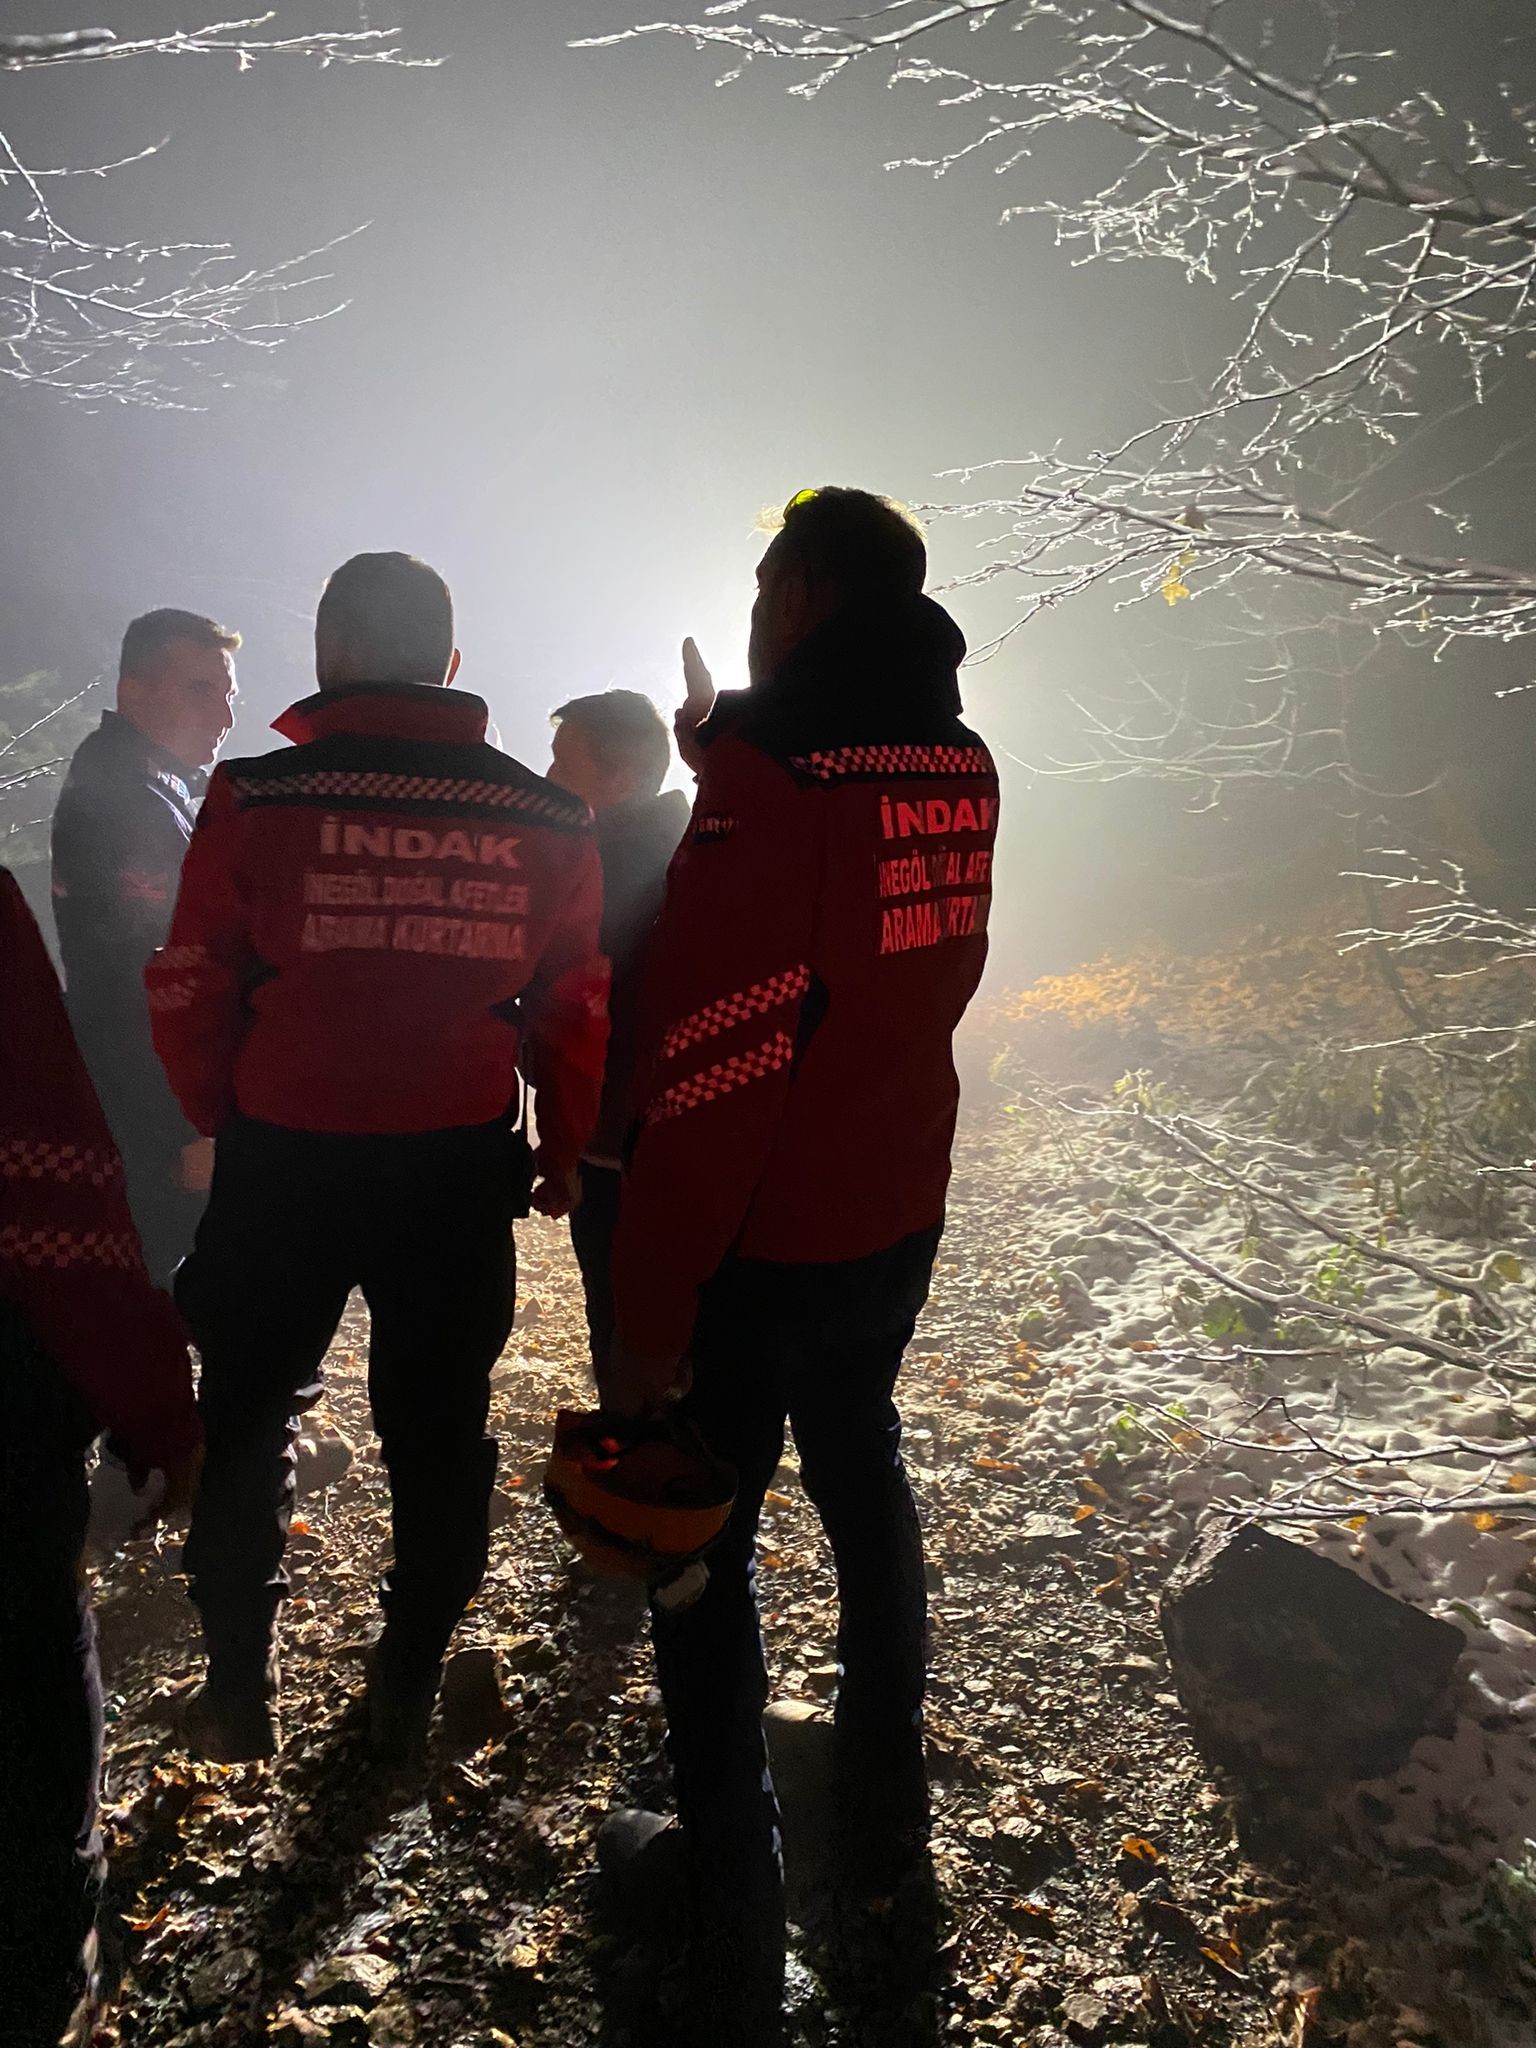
(1291, 1665)
(473, 1710)
(799, 1736)
(324, 1456)
(359, 1979)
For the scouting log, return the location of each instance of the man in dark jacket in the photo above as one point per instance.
(823, 931)
(120, 834)
(612, 751)
(362, 921)
(86, 1343)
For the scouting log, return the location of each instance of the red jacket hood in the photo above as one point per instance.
(400, 711)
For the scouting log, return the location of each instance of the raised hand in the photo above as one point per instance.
(698, 702)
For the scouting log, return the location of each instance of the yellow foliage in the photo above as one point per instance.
(1277, 983)
(1174, 588)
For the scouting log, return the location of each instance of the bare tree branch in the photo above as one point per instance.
(242, 38)
(1294, 1302)
(1174, 1131)
(1377, 236)
(133, 321)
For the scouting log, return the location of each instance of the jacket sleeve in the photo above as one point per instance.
(197, 980)
(565, 1022)
(728, 973)
(114, 876)
(69, 1259)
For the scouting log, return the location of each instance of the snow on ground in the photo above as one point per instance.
(1131, 1368)
(1136, 1354)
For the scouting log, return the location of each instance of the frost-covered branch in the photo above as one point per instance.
(1364, 240)
(1271, 1190)
(247, 39)
(1441, 912)
(1296, 1302)
(131, 320)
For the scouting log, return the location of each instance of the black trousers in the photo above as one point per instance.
(819, 1347)
(593, 1222)
(423, 1225)
(50, 1698)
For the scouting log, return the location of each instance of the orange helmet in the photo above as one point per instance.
(638, 1499)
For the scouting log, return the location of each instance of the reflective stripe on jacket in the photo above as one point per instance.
(69, 1258)
(823, 931)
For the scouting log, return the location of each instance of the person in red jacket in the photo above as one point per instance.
(373, 927)
(86, 1343)
(823, 931)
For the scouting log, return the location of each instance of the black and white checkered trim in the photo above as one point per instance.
(372, 785)
(723, 1078)
(59, 1249)
(41, 1159)
(829, 765)
(720, 1015)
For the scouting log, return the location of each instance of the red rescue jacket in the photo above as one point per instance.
(370, 920)
(823, 930)
(69, 1257)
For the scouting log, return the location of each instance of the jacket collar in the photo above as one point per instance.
(866, 670)
(397, 711)
(906, 652)
(124, 738)
(642, 818)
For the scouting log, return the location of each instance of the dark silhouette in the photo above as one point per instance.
(120, 834)
(612, 751)
(85, 1343)
(823, 931)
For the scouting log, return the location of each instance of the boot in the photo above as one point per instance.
(727, 1984)
(643, 1867)
(881, 1823)
(734, 1964)
(402, 1693)
(232, 1718)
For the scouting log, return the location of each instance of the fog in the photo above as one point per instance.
(600, 314)
(597, 315)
